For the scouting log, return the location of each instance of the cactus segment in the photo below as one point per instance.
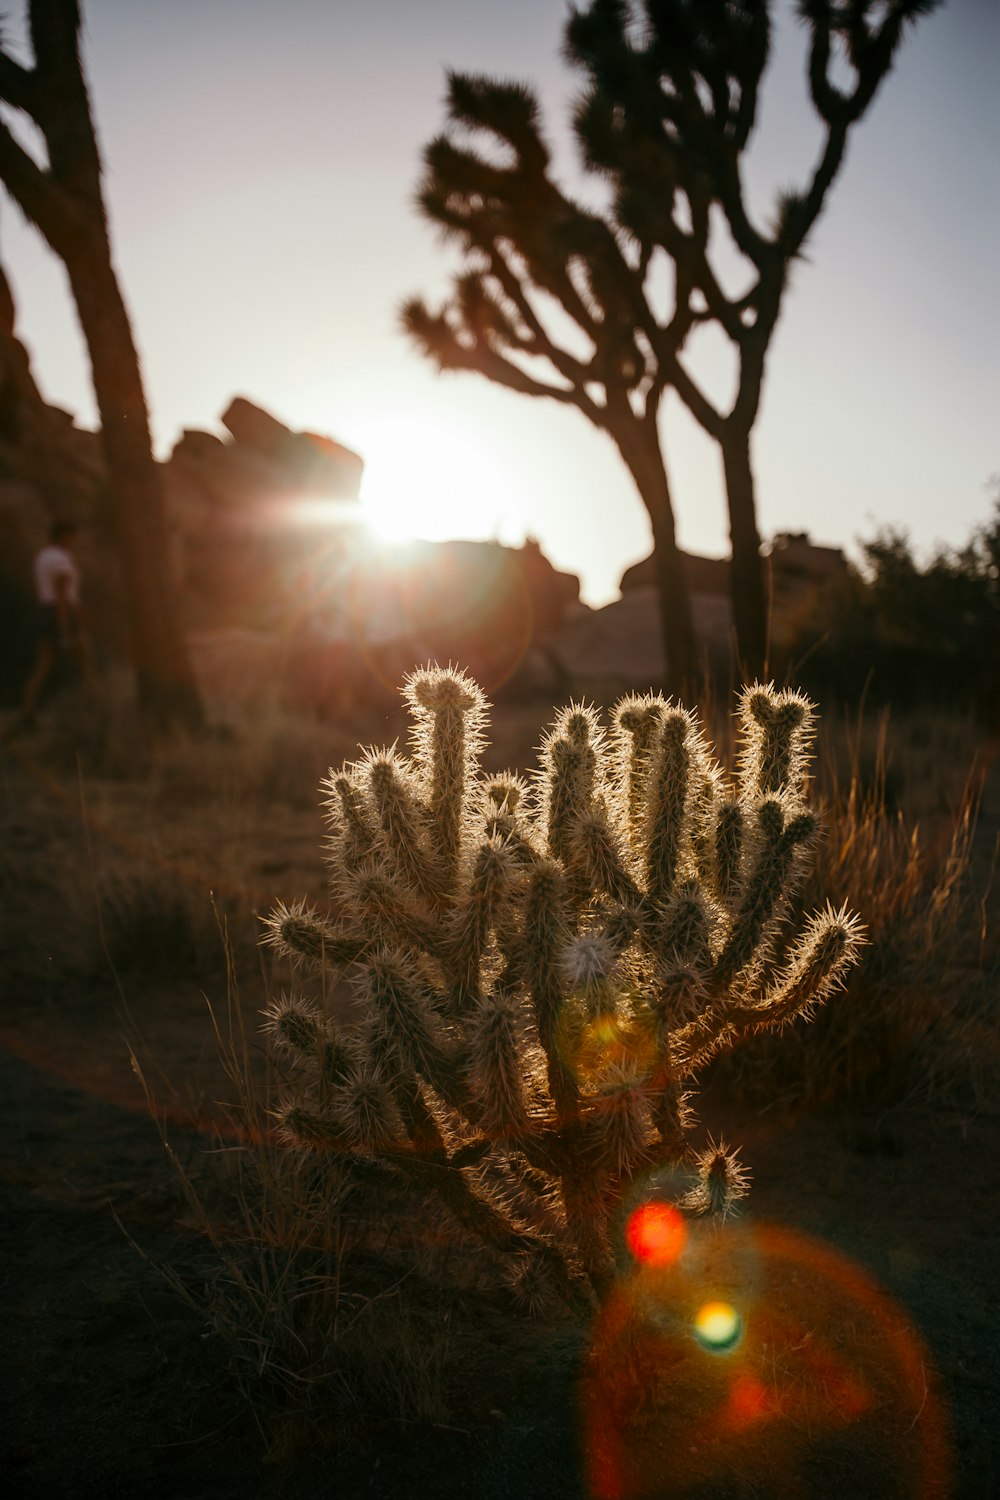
(300, 934)
(721, 1181)
(295, 1026)
(777, 730)
(448, 711)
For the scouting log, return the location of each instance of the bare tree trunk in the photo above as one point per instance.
(64, 199)
(639, 446)
(747, 588)
(165, 684)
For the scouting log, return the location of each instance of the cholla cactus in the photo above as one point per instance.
(542, 969)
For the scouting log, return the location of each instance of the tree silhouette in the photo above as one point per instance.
(551, 303)
(63, 199)
(558, 300)
(667, 114)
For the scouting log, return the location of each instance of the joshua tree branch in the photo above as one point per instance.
(17, 85)
(33, 190)
(567, 366)
(705, 414)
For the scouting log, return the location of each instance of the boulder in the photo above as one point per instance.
(312, 465)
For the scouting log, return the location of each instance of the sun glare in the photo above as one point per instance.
(430, 482)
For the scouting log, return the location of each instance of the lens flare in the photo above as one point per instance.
(655, 1234)
(760, 1353)
(592, 1045)
(717, 1325)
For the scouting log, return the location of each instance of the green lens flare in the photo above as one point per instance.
(717, 1325)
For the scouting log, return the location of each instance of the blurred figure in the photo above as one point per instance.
(61, 639)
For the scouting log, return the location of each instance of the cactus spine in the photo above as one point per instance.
(542, 969)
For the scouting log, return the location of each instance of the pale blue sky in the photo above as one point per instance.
(260, 164)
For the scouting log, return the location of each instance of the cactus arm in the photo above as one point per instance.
(816, 965)
(593, 846)
(487, 1222)
(353, 836)
(299, 933)
(402, 824)
(393, 917)
(669, 786)
(479, 910)
(545, 934)
(495, 1067)
(767, 887)
(637, 721)
(448, 710)
(730, 828)
(776, 731)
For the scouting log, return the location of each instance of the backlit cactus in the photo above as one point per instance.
(541, 969)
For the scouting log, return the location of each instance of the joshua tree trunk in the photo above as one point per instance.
(747, 587)
(639, 445)
(165, 687)
(64, 199)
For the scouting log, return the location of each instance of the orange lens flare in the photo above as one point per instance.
(655, 1234)
(605, 1042)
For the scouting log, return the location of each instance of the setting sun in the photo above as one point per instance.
(427, 480)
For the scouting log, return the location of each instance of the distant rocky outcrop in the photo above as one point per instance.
(494, 609)
(705, 575)
(799, 571)
(619, 646)
(282, 590)
(361, 616)
(270, 542)
(41, 449)
(262, 461)
(240, 535)
(281, 587)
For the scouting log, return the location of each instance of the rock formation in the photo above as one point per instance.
(281, 586)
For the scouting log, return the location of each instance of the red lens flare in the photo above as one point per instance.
(655, 1234)
(823, 1374)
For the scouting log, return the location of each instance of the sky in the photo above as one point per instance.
(261, 161)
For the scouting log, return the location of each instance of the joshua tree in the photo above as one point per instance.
(667, 114)
(64, 200)
(551, 303)
(542, 971)
(668, 111)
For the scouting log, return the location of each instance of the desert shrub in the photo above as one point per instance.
(906, 633)
(156, 920)
(912, 1019)
(542, 970)
(248, 761)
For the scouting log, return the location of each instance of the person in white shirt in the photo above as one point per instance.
(60, 626)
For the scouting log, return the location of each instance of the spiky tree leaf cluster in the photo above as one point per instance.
(542, 968)
(557, 299)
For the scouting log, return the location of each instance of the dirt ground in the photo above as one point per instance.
(864, 1271)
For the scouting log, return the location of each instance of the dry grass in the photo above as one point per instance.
(327, 1293)
(908, 836)
(321, 1333)
(180, 833)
